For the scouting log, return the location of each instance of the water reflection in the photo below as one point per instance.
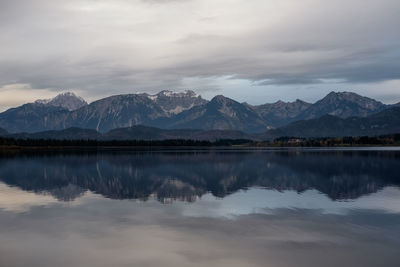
(341, 175)
(276, 208)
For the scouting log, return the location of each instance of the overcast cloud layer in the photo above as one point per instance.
(256, 51)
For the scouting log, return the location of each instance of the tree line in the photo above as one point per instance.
(384, 140)
(12, 142)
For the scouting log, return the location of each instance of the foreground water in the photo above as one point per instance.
(201, 208)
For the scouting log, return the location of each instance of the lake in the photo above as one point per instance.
(278, 207)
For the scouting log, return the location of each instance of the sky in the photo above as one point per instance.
(257, 51)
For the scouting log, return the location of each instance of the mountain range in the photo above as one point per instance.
(167, 113)
(384, 122)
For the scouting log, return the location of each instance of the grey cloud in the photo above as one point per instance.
(101, 232)
(164, 1)
(86, 45)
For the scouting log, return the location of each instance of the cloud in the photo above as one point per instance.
(105, 47)
(104, 232)
(12, 95)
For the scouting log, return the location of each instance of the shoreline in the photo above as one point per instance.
(193, 148)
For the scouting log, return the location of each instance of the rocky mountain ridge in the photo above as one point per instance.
(173, 103)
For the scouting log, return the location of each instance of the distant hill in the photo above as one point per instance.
(396, 105)
(66, 134)
(150, 133)
(384, 122)
(138, 132)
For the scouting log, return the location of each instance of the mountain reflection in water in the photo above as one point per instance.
(284, 208)
(341, 175)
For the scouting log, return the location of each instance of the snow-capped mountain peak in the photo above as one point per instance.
(67, 100)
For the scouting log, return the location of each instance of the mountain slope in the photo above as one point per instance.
(131, 109)
(115, 112)
(384, 122)
(343, 105)
(33, 117)
(280, 113)
(395, 105)
(41, 115)
(220, 113)
(3, 131)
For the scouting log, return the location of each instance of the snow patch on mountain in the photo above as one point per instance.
(173, 103)
(152, 97)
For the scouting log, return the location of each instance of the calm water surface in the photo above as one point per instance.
(201, 208)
